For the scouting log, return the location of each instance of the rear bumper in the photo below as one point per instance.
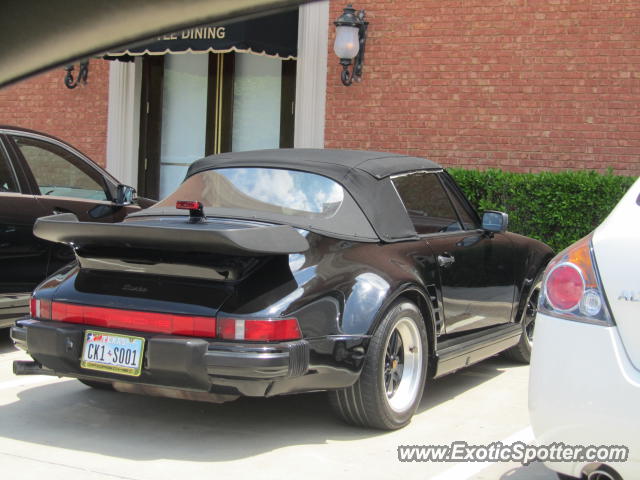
(583, 390)
(177, 362)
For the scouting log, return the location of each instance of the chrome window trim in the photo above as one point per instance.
(62, 145)
(444, 189)
(71, 150)
(76, 199)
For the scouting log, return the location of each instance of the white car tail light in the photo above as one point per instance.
(571, 287)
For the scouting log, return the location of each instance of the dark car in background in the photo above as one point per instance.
(41, 175)
(283, 271)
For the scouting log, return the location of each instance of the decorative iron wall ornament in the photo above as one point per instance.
(83, 74)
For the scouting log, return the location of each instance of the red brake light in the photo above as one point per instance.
(196, 211)
(268, 329)
(571, 287)
(188, 205)
(251, 329)
(168, 323)
(565, 287)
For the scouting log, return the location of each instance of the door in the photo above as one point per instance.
(150, 125)
(23, 257)
(476, 275)
(475, 268)
(184, 117)
(64, 183)
(195, 105)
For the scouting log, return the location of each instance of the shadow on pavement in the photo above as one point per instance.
(445, 388)
(533, 471)
(71, 416)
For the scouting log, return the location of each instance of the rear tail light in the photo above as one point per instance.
(167, 323)
(572, 288)
(263, 329)
(40, 308)
(251, 329)
(565, 287)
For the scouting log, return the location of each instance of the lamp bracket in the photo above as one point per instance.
(83, 74)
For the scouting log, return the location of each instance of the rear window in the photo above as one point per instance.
(269, 190)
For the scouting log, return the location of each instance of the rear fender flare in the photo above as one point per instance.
(417, 295)
(534, 272)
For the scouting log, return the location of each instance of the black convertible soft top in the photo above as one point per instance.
(334, 164)
(365, 175)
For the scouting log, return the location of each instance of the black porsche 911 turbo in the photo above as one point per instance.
(281, 271)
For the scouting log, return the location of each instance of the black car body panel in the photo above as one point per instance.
(467, 282)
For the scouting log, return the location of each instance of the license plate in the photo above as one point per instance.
(110, 352)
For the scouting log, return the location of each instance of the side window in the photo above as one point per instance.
(7, 178)
(427, 203)
(58, 172)
(468, 220)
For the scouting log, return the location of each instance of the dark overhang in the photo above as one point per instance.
(273, 35)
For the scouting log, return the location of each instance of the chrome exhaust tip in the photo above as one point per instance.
(27, 367)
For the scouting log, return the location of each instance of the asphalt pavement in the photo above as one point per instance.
(60, 429)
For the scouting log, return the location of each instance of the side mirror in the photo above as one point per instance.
(125, 195)
(493, 221)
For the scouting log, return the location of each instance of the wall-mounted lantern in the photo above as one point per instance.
(83, 74)
(351, 36)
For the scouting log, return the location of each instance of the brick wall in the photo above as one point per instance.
(525, 85)
(77, 116)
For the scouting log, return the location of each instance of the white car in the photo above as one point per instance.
(584, 385)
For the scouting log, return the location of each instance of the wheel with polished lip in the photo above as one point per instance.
(393, 376)
(521, 352)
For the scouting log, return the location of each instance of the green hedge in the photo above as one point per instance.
(557, 208)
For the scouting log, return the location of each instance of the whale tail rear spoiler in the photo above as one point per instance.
(173, 235)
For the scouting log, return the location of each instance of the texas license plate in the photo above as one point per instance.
(110, 352)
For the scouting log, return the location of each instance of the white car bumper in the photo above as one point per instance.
(583, 390)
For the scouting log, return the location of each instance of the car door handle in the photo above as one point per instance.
(445, 260)
(60, 210)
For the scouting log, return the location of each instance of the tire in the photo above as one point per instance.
(399, 341)
(521, 352)
(562, 476)
(97, 384)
